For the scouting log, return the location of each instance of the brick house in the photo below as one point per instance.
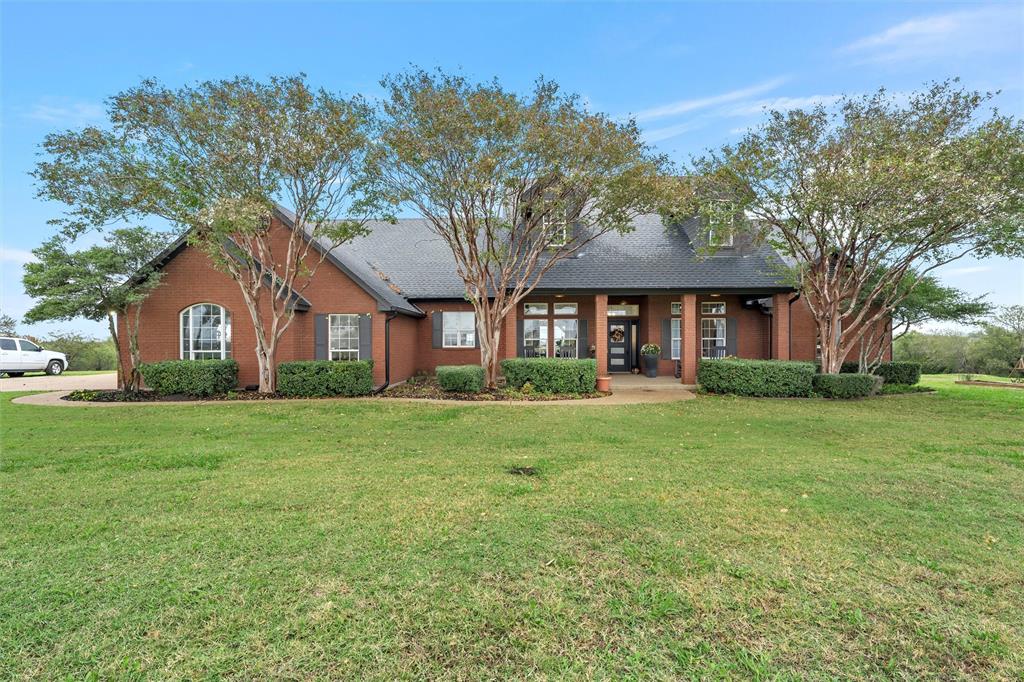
(393, 296)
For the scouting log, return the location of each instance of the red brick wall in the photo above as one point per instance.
(428, 357)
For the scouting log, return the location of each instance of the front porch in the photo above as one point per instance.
(612, 328)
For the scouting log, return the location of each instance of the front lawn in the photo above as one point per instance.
(718, 537)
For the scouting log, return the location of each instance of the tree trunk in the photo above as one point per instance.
(112, 326)
(489, 332)
(267, 368)
(134, 379)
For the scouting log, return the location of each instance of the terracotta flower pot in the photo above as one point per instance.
(604, 384)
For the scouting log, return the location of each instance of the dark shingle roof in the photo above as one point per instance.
(650, 257)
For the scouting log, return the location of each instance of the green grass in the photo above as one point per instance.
(936, 380)
(715, 538)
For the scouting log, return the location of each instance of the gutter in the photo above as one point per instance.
(391, 314)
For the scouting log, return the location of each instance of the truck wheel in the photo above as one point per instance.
(55, 367)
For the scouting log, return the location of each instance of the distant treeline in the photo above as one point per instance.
(84, 352)
(990, 350)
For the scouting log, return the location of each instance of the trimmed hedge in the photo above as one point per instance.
(759, 378)
(906, 373)
(463, 378)
(846, 386)
(319, 378)
(551, 375)
(198, 378)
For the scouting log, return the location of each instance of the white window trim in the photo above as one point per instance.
(676, 327)
(551, 225)
(724, 337)
(676, 308)
(544, 337)
(225, 332)
(330, 337)
(705, 311)
(456, 329)
(577, 339)
(529, 303)
(714, 241)
(574, 313)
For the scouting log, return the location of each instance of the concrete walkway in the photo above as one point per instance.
(626, 390)
(106, 381)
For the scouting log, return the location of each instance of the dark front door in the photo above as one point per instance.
(621, 342)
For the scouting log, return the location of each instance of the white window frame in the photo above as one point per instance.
(721, 333)
(575, 339)
(677, 307)
(550, 225)
(713, 239)
(223, 332)
(568, 309)
(542, 322)
(677, 338)
(712, 308)
(539, 304)
(341, 352)
(464, 333)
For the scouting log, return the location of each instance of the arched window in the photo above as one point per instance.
(205, 332)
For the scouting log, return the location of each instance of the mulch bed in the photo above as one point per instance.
(428, 388)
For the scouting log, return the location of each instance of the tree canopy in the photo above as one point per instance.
(861, 196)
(512, 183)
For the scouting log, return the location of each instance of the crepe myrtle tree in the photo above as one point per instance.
(98, 283)
(926, 300)
(512, 183)
(213, 159)
(861, 196)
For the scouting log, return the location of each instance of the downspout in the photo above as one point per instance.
(790, 321)
(391, 314)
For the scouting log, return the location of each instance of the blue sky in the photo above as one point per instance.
(695, 75)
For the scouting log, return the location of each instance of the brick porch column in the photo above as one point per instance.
(508, 334)
(690, 339)
(780, 326)
(601, 333)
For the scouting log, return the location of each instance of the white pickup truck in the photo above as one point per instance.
(18, 356)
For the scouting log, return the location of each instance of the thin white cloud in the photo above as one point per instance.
(17, 256)
(968, 270)
(688, 105)
(74, 114)
(781, 104)
(659, 134)
(989, 29)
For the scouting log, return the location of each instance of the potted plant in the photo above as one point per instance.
(650, 353)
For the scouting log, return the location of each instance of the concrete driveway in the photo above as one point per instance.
(64, 382)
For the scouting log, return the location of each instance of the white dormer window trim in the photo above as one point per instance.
(552, 227)
(714, 240)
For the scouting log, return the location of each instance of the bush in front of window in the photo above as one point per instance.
(758, 378)
(846, 386)
(196, 378)
(461, 378)
(904, 373)
(551, 375)
(322, 378)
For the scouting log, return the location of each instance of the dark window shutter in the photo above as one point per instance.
(476, 336)
(320, 337)
(366, 337)
(666, 338)
(437, 320)
(584, 340)
(731, 330)
(520, 350)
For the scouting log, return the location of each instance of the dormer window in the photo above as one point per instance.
(716, 239)
(557, 228)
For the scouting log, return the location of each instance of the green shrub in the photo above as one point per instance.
(463, 378)
(901, 389)
(318, 378)
(765, 378)
(906, 373)
(846, 386)
(197, 378)
(551, 375)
